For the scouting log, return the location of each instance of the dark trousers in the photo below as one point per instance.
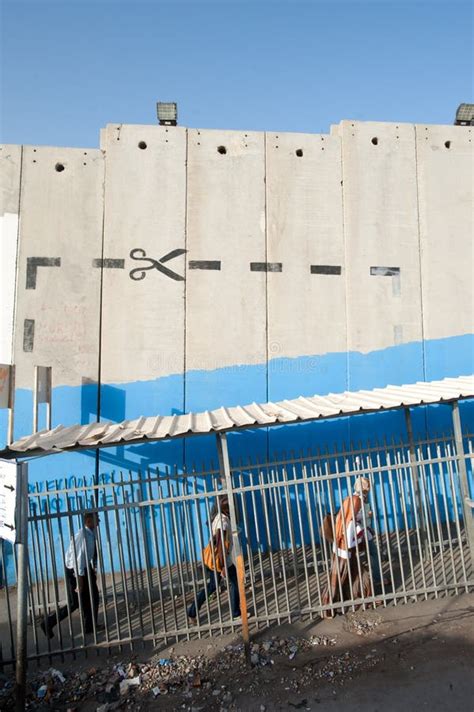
(89, 601)
(211, 587)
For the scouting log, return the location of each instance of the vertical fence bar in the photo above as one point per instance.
(157, 556)
(298, 483)
(63, 553)
(111, 553)
(404, 509)
(54, 572)
(223, 454)
(414, 479)
(376, 532)
(291, 528)
(177, 550)
(268, 531)
(123, 576)
(432, 480)
(463, 481)
(444, 493)
(457, 522)
(248, 541)
(388, 542)
(275, 495)
(307, 499)
(163, 512)
(259, 548)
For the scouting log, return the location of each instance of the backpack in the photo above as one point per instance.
(210, 554)
(327, 529)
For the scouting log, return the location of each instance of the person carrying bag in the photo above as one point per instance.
(217, 558)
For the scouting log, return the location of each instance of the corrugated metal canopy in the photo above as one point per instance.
(303, 409)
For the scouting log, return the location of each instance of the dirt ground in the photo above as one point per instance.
(406, 657)
(420, 656)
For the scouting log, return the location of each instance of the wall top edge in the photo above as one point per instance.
(334, 130)
(43, 147)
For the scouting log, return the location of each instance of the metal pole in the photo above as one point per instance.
(414, 479)
(49, 390)
(224, 463)
(11, 406)
(22, 590)
(463, 481)
(35, 401)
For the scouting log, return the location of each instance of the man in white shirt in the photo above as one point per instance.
(81, 579)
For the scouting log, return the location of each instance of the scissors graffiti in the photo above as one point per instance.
(140, 272)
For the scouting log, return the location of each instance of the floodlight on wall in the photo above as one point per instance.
(465, 115)
(167, 113)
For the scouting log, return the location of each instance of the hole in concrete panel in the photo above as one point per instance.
(375, 140)
(222, 150)
(142, 145)
(447, 144)
(59, 167)
(299, 152)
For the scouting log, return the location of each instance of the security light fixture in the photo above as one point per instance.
(167, 113)
(465, 115)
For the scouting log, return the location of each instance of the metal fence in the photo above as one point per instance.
(154, 526)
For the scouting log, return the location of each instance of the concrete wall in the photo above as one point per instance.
(57, 310)
(178, 270)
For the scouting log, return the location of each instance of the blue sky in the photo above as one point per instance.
(70, 67)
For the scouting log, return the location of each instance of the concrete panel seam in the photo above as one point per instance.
(185, 294)
(420, 266)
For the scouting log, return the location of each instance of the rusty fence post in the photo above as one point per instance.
(223, 452)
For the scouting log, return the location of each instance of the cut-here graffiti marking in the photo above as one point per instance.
(32, 264)
(140, 272)
(325, 269)
(393, 272)
(107, 263)
(266, 267)
(204, 264)
(28, 335)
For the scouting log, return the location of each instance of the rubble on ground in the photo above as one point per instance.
(191, 679)
(362, 622)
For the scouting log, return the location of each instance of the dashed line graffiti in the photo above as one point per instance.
(148, 264)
